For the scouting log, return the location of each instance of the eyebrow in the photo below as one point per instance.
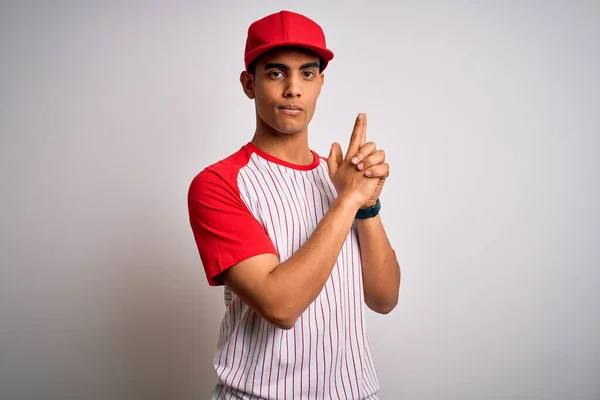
(313, 64)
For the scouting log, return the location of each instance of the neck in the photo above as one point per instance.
(292, 148)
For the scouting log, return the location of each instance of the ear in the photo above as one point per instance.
(247, 81)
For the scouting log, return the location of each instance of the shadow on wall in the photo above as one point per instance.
(169, 322)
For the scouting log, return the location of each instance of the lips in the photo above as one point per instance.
(291, 107)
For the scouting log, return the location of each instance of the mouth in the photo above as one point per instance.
(290, 110)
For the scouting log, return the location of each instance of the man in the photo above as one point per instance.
(296, 239)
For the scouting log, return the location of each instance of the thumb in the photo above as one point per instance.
(333, 161)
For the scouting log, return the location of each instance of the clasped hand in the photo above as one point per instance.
(361, 173)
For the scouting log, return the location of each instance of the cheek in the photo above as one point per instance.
(264, 109)
(264, 101)
(313, 104)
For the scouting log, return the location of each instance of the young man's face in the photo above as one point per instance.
(285, 86)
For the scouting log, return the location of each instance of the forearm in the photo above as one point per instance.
(380, 269)
(296, 283)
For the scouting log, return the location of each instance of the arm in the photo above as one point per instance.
(380, 269)
(281, 292)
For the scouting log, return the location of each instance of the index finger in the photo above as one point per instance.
(363, 138)
(357, 136)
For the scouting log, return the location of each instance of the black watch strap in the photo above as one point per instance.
(370, 212)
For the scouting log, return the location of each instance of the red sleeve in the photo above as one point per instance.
(225, 231)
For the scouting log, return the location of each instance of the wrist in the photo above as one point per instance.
(369, 212)
(349, 202)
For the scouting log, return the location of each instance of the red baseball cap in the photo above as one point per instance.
(285, 28)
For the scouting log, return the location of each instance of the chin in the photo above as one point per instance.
(290, 132)
(287, 129)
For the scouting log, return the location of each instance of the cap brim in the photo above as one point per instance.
(324, 53)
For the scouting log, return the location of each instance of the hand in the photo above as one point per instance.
(372, 161)
(346, 178)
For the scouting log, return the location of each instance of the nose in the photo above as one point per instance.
(293, 87)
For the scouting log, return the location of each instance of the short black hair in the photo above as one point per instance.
(252, 67)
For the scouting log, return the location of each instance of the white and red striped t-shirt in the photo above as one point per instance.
(252, 203)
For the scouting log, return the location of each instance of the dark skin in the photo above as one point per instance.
(280, 292)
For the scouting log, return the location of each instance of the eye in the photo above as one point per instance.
(276, 74)
(309, 74)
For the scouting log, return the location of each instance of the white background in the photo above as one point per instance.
(489, 114)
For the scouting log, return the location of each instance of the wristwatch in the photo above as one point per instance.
(370, 212)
